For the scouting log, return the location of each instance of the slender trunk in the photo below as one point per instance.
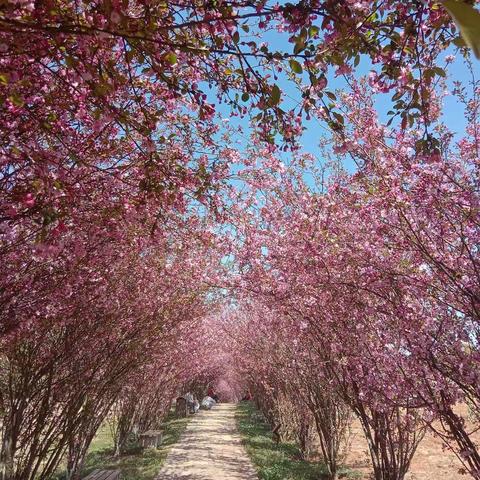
(7, 457)
(11, 428)
(468, 450)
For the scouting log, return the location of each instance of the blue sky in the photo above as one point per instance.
(453, 111)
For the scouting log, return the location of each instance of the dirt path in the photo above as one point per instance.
(209, 449)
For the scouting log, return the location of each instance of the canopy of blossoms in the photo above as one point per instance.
(163, 230)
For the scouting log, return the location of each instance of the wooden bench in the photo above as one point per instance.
(151, 438)
(104, 475)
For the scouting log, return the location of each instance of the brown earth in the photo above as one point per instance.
(431, 461)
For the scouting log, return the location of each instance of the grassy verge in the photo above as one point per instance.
(272, 461)
(137, 464)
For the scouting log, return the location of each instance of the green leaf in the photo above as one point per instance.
(467, 20)
(459, 42)
(17, 100)
(440, 71)
(313, 30)
(245, 96)
(101, 89)
(129, 55)
(275, 95)
(171, 58)
(295, 66)
(299, 45)
(339, 118)
(236, 37)
(70, 61)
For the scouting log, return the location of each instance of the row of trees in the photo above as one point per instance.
(113, 171)
(360, 294)
(108, 163)
(113, 327)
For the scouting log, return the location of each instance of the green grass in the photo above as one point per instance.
(137, 464)
(272, 461)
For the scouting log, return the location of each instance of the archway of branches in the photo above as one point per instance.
(268, 200)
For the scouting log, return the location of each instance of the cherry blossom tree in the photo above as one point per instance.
(381, 269)
(118, 221)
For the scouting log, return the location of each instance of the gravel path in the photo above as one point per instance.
(209, 449)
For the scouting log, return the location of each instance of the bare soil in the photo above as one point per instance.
(431, 461)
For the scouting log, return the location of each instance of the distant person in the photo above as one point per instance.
(191, 403)
(211, 393)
